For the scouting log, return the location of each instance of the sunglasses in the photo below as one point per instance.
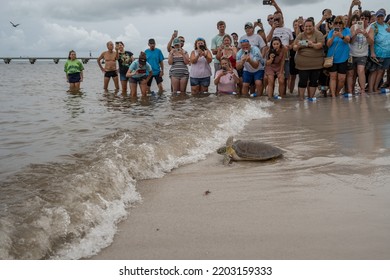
(338, 22)
(269, 19)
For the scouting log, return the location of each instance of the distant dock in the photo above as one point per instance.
(32, 60)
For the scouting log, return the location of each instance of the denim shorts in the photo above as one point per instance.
(136, 80)
(385, 63)
(204, 82)
(123, 77)
(250, 78)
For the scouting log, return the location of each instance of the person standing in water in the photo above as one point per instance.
(110, 70)
(74, 71)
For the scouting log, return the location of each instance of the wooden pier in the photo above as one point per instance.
(32, 60)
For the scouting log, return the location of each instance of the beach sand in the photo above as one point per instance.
(327, 198)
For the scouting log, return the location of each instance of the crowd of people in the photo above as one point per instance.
(332, 55)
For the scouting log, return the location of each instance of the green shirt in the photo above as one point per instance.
(73, 66)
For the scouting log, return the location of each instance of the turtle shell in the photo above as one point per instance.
(250, 150)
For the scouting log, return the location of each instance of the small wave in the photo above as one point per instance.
(71, 210)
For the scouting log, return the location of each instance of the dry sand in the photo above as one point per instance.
(328, 198)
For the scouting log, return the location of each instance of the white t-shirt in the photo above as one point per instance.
(285, 34)
(254, 40)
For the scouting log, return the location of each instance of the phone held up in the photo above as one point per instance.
(360, 25)
(267, 2)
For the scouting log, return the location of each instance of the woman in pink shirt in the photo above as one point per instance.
(226, 79)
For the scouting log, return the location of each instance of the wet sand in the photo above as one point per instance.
(328, 198)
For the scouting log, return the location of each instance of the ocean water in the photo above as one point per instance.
(69, 164)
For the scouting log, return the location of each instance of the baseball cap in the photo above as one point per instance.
(380, 13)
(176, 41)
(248, 24)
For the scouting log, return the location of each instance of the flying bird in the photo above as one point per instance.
(14, 25)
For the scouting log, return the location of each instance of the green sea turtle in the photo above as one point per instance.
(248, 150)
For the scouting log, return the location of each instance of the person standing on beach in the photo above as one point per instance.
(139, 73)
(255, 40)
(155, 58)
(217, 41)
(74, 71)
(124, 61)
(338, 43)
(275, 66)
(309, 58)
(359, 46)
(251, 61)
(380, 49)
(110, 70)
(286, 36)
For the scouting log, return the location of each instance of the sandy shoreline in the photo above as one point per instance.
(328, 198)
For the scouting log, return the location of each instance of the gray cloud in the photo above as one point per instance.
(103, 10)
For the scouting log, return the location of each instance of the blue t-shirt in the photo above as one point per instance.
(142, 70)
(339, 49)
(254, 55)
(154, 58)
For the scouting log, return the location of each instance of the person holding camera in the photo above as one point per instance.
(251, 61)
(309, 58)
(338, 44)
(226, 79)
(125, 58)
(200, 71)
(227, 50)
(286, 36)
(254, 39)
(275, 66)
(139, 72)
(359, 46)
(178, 58)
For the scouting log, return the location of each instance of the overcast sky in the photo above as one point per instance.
(50, 28)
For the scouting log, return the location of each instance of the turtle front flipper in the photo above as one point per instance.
(229, 141)
(227, 159)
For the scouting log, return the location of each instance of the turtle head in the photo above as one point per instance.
(222, 150)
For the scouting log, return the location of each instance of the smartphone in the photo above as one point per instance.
(337, 29)
(175, 32)
(259, 20)
(360, 25)
(267, 2)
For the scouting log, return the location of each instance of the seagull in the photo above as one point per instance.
(14, 25)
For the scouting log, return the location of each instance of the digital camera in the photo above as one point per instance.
(303, 43)
(331, 19)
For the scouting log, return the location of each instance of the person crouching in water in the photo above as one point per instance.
(275, 66)
(139, 73)
(74, 72)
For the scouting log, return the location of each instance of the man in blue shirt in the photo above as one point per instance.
(155, 58)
